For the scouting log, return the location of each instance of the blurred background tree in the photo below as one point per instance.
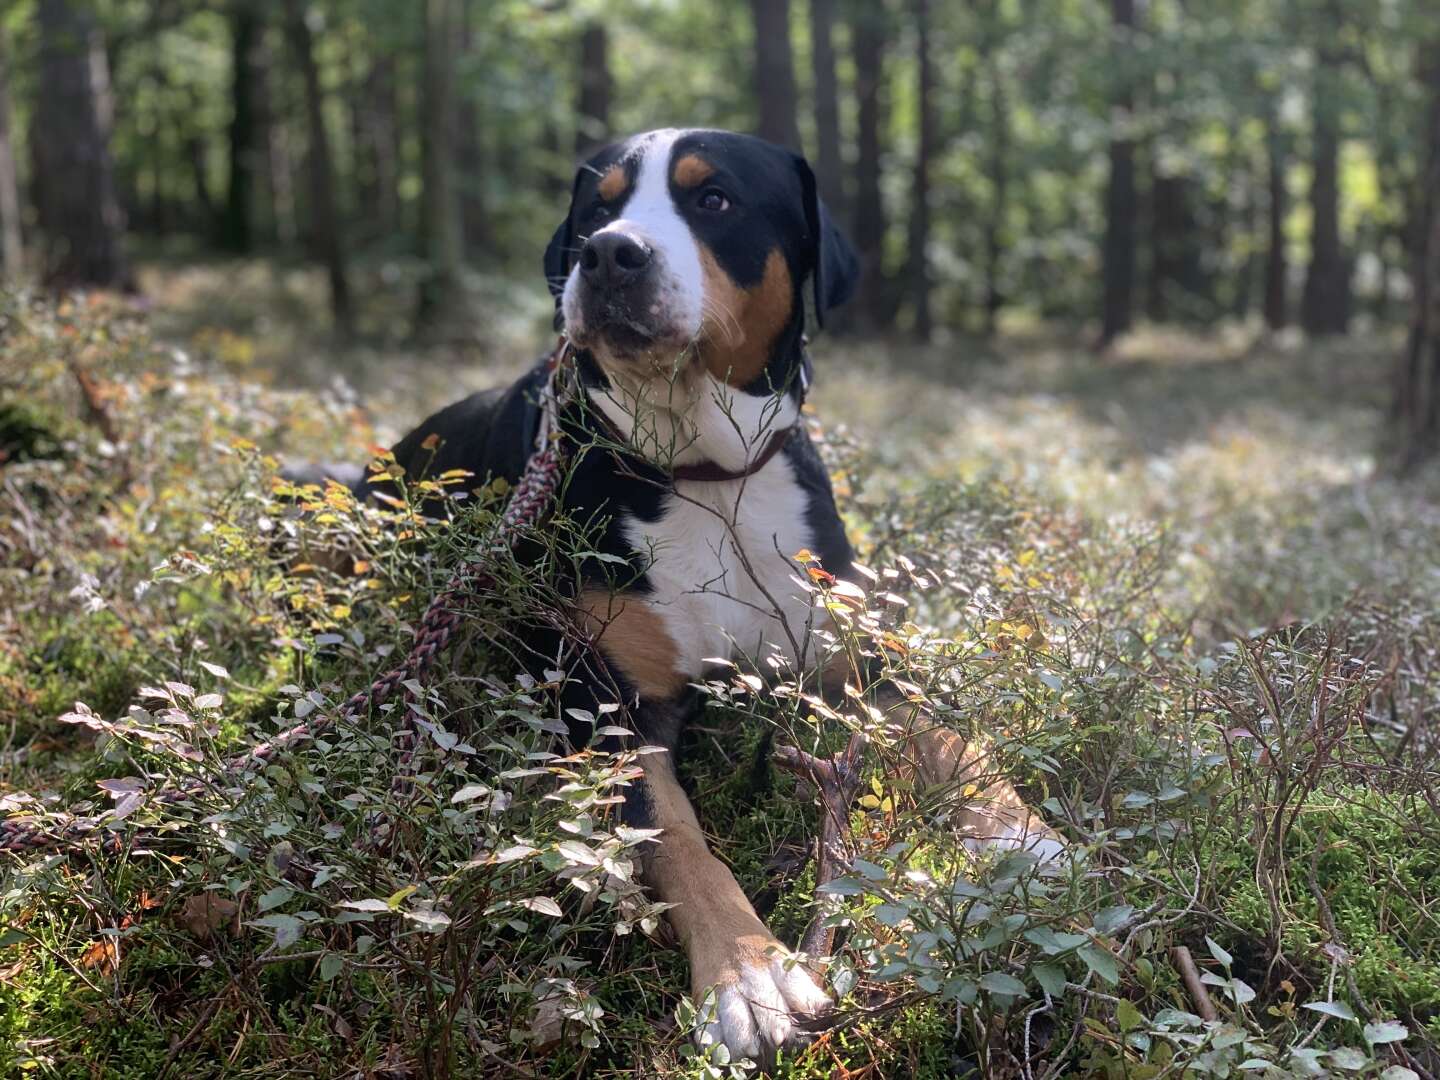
(1087, 163)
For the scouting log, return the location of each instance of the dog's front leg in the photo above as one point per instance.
(935, 758)
(931, 757)
(750, 989)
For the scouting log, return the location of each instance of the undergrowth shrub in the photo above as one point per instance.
(347, 908)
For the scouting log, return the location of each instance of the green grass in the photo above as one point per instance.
(1164, 580)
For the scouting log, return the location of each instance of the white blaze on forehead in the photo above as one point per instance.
(650, 215)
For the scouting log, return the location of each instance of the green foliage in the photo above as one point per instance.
(1022, 100)
(174, 601)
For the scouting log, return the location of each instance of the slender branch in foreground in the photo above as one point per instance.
(836, 780)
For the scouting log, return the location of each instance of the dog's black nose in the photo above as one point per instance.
(611, 260)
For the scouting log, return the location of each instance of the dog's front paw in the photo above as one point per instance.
(754, 999)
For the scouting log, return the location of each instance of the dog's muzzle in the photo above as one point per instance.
(619, 292)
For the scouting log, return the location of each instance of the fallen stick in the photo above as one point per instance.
(96, 408)
(836, 779)
(1185, 965)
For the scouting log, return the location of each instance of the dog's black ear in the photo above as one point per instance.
(559, 253)
(835, 268)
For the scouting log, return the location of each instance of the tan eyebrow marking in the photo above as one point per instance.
(614, 183)
(692, 170)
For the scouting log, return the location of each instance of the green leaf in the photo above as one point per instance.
(1128, 1016)
(1102, 962)
(577, 853)
(542, 905)
(331, 965)
(274, 898)
(395, 899)
(997, 982)
(1113, 918)
(891, 915)
(514, 852)
(1387, 1031)
(1399, 1072)
(1337, 1009)
(287, 928)
(432, 922)
(1050, 978)
(371, 904)
(1219, 954)
(1348, 1058)
(1241, 992)
(869, 870)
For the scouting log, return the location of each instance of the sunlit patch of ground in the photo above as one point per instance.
(1257, 452)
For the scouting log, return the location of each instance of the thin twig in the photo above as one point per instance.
(1190, 976)
(206, 1014)
(836, 780)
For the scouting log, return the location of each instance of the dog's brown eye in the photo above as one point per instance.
(714, 199)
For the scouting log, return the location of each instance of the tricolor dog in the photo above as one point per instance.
(682, 276)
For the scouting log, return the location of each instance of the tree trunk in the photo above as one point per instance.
(592, 127)
(1325, 303)
(75, 181)
(867, 36)
(1417, 392)
(479, 238)
(377, 145)
(1118, 271)
(775, 73)
(198, 157)
(10, 250)
(327, 239)
(829, 167)
(919, 237)
(237, 222)
(1277, 269)
(1174, 249)
(999, 193)
(440, 314)
(1243, 296)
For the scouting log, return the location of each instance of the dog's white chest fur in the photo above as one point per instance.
(721, 567)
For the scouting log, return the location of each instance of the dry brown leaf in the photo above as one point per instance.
(205, 913)
(101, 956)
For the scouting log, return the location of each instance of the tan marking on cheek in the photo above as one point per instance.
(741, 325)
(633, 638)
(692, 171)
(614, 183)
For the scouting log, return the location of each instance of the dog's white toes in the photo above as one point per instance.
(758, 1006)
(802, 993)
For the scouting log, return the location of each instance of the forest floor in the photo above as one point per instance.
(1206, 636)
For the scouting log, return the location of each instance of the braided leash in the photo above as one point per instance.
(443, 617)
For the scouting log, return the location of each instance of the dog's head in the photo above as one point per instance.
(696, 245)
